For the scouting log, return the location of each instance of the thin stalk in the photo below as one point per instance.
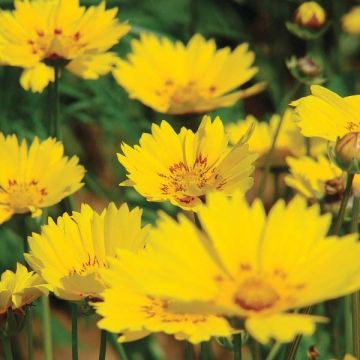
(356, 295)
(7, 348)
(102, 353)
(189, 351)
(205, 351)
(268, 159)
(56, 126)
(237, 347)
(74, 332)
(118, 347)
(29, 332)
(46, 328)
(344, 201)
(274, 351)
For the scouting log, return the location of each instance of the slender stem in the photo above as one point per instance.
(29, 331)
(268, 159)
(344, 201)
(74, 331)
(7, 348)
(102, 353)
(237, 346)
(46, 328)
(189, 351)
(274, 351)
(356, 295)
(56, 126)
(118, 347)
(205, 351)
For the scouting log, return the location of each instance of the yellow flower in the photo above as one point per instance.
(327, 115)
(20, 289)
(127, 310)
(36, 176)
(289, 142)
(183, 168)
(176, 79)
(69, 254)
(38, 32)
(248, 264)
(310, 15)
(351, 21)
(316, 179)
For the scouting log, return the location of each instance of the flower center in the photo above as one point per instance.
(92, 264)
(255, 294)
(21, 196)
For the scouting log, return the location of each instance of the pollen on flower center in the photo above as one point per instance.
(92, 264)
(255, 294)
(22, 195)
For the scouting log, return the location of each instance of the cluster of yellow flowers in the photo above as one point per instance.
(182, 277)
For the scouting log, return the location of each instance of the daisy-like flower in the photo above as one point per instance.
(68, 254)
(174, 78)
(335, 115)
(316, 179)
(289, 142)
(127, 310)
(32, 177)
(249, 265)
(183, 168)
(39, 32)
(310, 15)
(19, 289)
(351, 21)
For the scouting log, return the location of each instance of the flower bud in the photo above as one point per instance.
(308, 67)
(310, 15)
(346, 153)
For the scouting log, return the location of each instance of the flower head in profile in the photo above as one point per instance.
(351, 21)
(19, 289)
(39, 32)
(32, 176)
(289, 141)
(335, 115)
(249, 265)
(68, 254)
(183, 168)
(174, 78)
(310, 15)
(316, 179)
(127, 310)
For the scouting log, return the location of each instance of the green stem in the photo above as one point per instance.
(74, 331)
(46, 327)
(268, 159)
(237, 347)
(102, 353)
(274, 351)
(205, 351)
(29, 331)
(7, 348)
(189, 351)
(344, 201)
(356, 295)
(118, 347)
(56, 126)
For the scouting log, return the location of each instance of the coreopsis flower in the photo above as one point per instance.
(351, 21)
(310, 15)
(174, 78)
(35, 176)
(289, 141)
(125, 309)
(40, 32)
(335, 115)
(19, 289)
(249, 265)
(183, 168)
(68, 254)
(316, 179)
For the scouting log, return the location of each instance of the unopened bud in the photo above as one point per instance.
(308, 67)
(346, 153)
(310, 15)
